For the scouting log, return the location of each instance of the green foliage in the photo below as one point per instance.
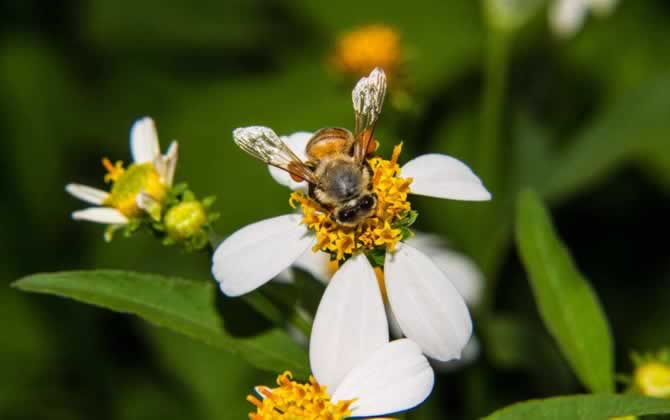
(583, 407)
(217, 380)
(566, 301)
(634, 128)
(184, 306)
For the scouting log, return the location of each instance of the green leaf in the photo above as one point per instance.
(185, 306)
(568, 306)
(217, 381)
(583, 407)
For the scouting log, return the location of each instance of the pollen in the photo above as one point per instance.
(381, 230)
(128, 183)
(361, 50)
(293, 400)
(653, 379)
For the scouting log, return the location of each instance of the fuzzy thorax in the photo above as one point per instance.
(293, 400)
(381, 230)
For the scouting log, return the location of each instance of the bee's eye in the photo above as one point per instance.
(366, 202)
(346, 215)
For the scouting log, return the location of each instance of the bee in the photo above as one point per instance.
(336, 169)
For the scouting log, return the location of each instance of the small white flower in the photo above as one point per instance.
(429, 309)
(365, 375)
(566, 17)
(136, 190)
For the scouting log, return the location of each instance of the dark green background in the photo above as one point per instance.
(586, 122)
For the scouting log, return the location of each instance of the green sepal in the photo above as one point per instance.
(377, 256)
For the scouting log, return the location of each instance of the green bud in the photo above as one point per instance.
(185, 220)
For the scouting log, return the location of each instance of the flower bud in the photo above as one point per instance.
(185, 220)
(653, 379)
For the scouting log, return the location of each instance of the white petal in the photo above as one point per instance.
(460, 269)
(395, 378)
(297, 143)
(463, 273)
(105, 215)
(350, 323)
(315, 263)
(567, 16)
(149, 204)
(256, 253)
(171, 163)
(470, 354)
(428, 307)
(89, 194)
(144, 141)
(442, 176)
(394, 327)
(287, 276)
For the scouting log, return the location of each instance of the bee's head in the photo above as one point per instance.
(356, 210)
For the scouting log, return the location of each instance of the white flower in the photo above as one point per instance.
(136, 190)
(363, 372)
(428, 308)
(566, 17)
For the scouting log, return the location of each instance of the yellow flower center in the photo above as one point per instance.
(128, 183)
(377, 231)
(361, 50)
(653, 379)
(292, 401)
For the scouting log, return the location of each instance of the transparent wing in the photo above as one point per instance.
(264, 144)
(368, 98)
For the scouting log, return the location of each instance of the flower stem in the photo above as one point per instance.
(489, 153)
(495, 78)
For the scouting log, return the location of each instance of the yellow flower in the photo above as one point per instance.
(293, 400)
(359, 51)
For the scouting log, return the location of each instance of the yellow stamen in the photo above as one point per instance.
(374, 232)
(114, 171)
(292, 400)
(396, 153)
(361, 50)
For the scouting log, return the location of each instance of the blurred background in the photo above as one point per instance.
(584, 120)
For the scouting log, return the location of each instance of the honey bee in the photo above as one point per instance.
(339, 177)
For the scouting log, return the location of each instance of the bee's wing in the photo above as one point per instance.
(264, 144)
(368, 98)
